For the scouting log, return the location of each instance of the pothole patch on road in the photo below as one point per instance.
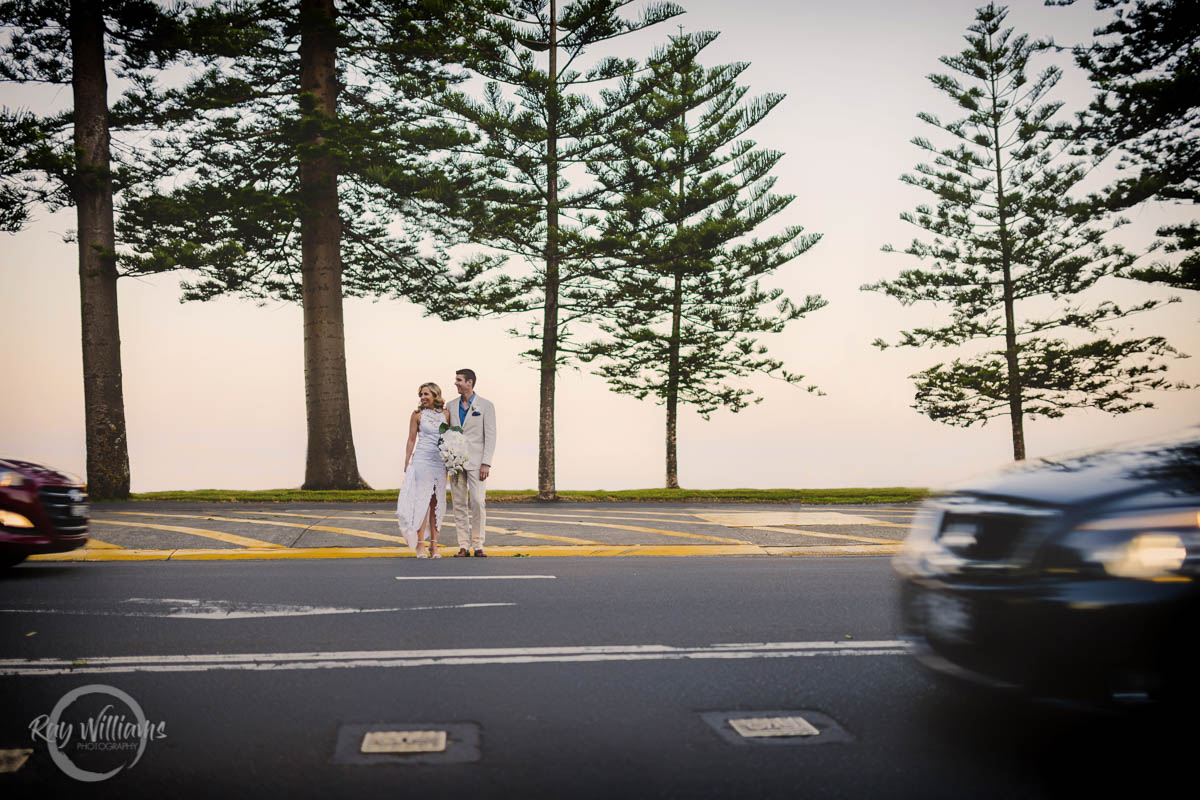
(408, 743)
(775, 728)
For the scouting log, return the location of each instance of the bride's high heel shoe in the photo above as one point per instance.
(421, 550)
(433, 550)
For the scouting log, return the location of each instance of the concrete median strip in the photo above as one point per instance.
(361, 534)
(792, 534)
(635, 528)
(822, 535)
(758, 519)
(278, 553)
(219, 536)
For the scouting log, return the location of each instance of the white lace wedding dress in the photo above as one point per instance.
(426, 477)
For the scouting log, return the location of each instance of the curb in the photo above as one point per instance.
(87, 554)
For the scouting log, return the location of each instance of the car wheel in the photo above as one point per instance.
(1182, 663)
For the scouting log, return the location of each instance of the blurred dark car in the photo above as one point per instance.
(1073, 580)
(42, 510)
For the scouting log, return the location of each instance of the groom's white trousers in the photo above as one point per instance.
(468, 494)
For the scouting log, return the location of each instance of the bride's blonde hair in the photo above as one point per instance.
(438, 403)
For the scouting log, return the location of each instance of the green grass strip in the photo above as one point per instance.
(809, 496)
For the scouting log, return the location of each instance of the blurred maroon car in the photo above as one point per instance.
(42, 510)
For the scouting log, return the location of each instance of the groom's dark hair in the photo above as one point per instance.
(469, 374)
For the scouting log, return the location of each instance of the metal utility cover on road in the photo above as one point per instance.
(13, 760)
(773, 726)
(404, 742)
(776, 728)
(408, 743)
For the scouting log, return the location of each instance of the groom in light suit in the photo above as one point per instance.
(477, 417)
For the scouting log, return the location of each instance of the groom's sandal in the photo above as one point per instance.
(462, 553)
(480, 554)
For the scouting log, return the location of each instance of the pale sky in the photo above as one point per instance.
(214, 392)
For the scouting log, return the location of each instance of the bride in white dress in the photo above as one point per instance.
(422, 501)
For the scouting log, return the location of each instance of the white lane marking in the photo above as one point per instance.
(422, 658)
(223, 609)
(474, 577)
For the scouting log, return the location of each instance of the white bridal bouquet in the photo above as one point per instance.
(452, 445)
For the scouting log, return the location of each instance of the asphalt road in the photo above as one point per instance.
(552, 678)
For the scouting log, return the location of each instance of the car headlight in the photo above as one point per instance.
(920, 543)
(10, 478)
(1154, 545)
(10, 519)
(72, 477)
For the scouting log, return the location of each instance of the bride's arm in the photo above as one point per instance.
(413, 423)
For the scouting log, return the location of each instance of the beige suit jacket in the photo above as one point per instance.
(479, 428)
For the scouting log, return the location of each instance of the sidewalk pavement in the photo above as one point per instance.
(160, 531)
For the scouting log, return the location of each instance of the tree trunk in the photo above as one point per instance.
(673, 344)
(331, 461)
(1015, 411)
(673, 382)
(1015, 388)
(103, 395)
(546, 490)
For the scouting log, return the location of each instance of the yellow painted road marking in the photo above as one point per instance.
(544, 536)
(565, 517)
(218, 535)
(583, 509)
(659, 531)
(836, 550)
(753, 519)
(388, 518)
(99, 545)
(568, 519)
(353, 531)
(445, 524)
(328, 529)
(802, 532)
